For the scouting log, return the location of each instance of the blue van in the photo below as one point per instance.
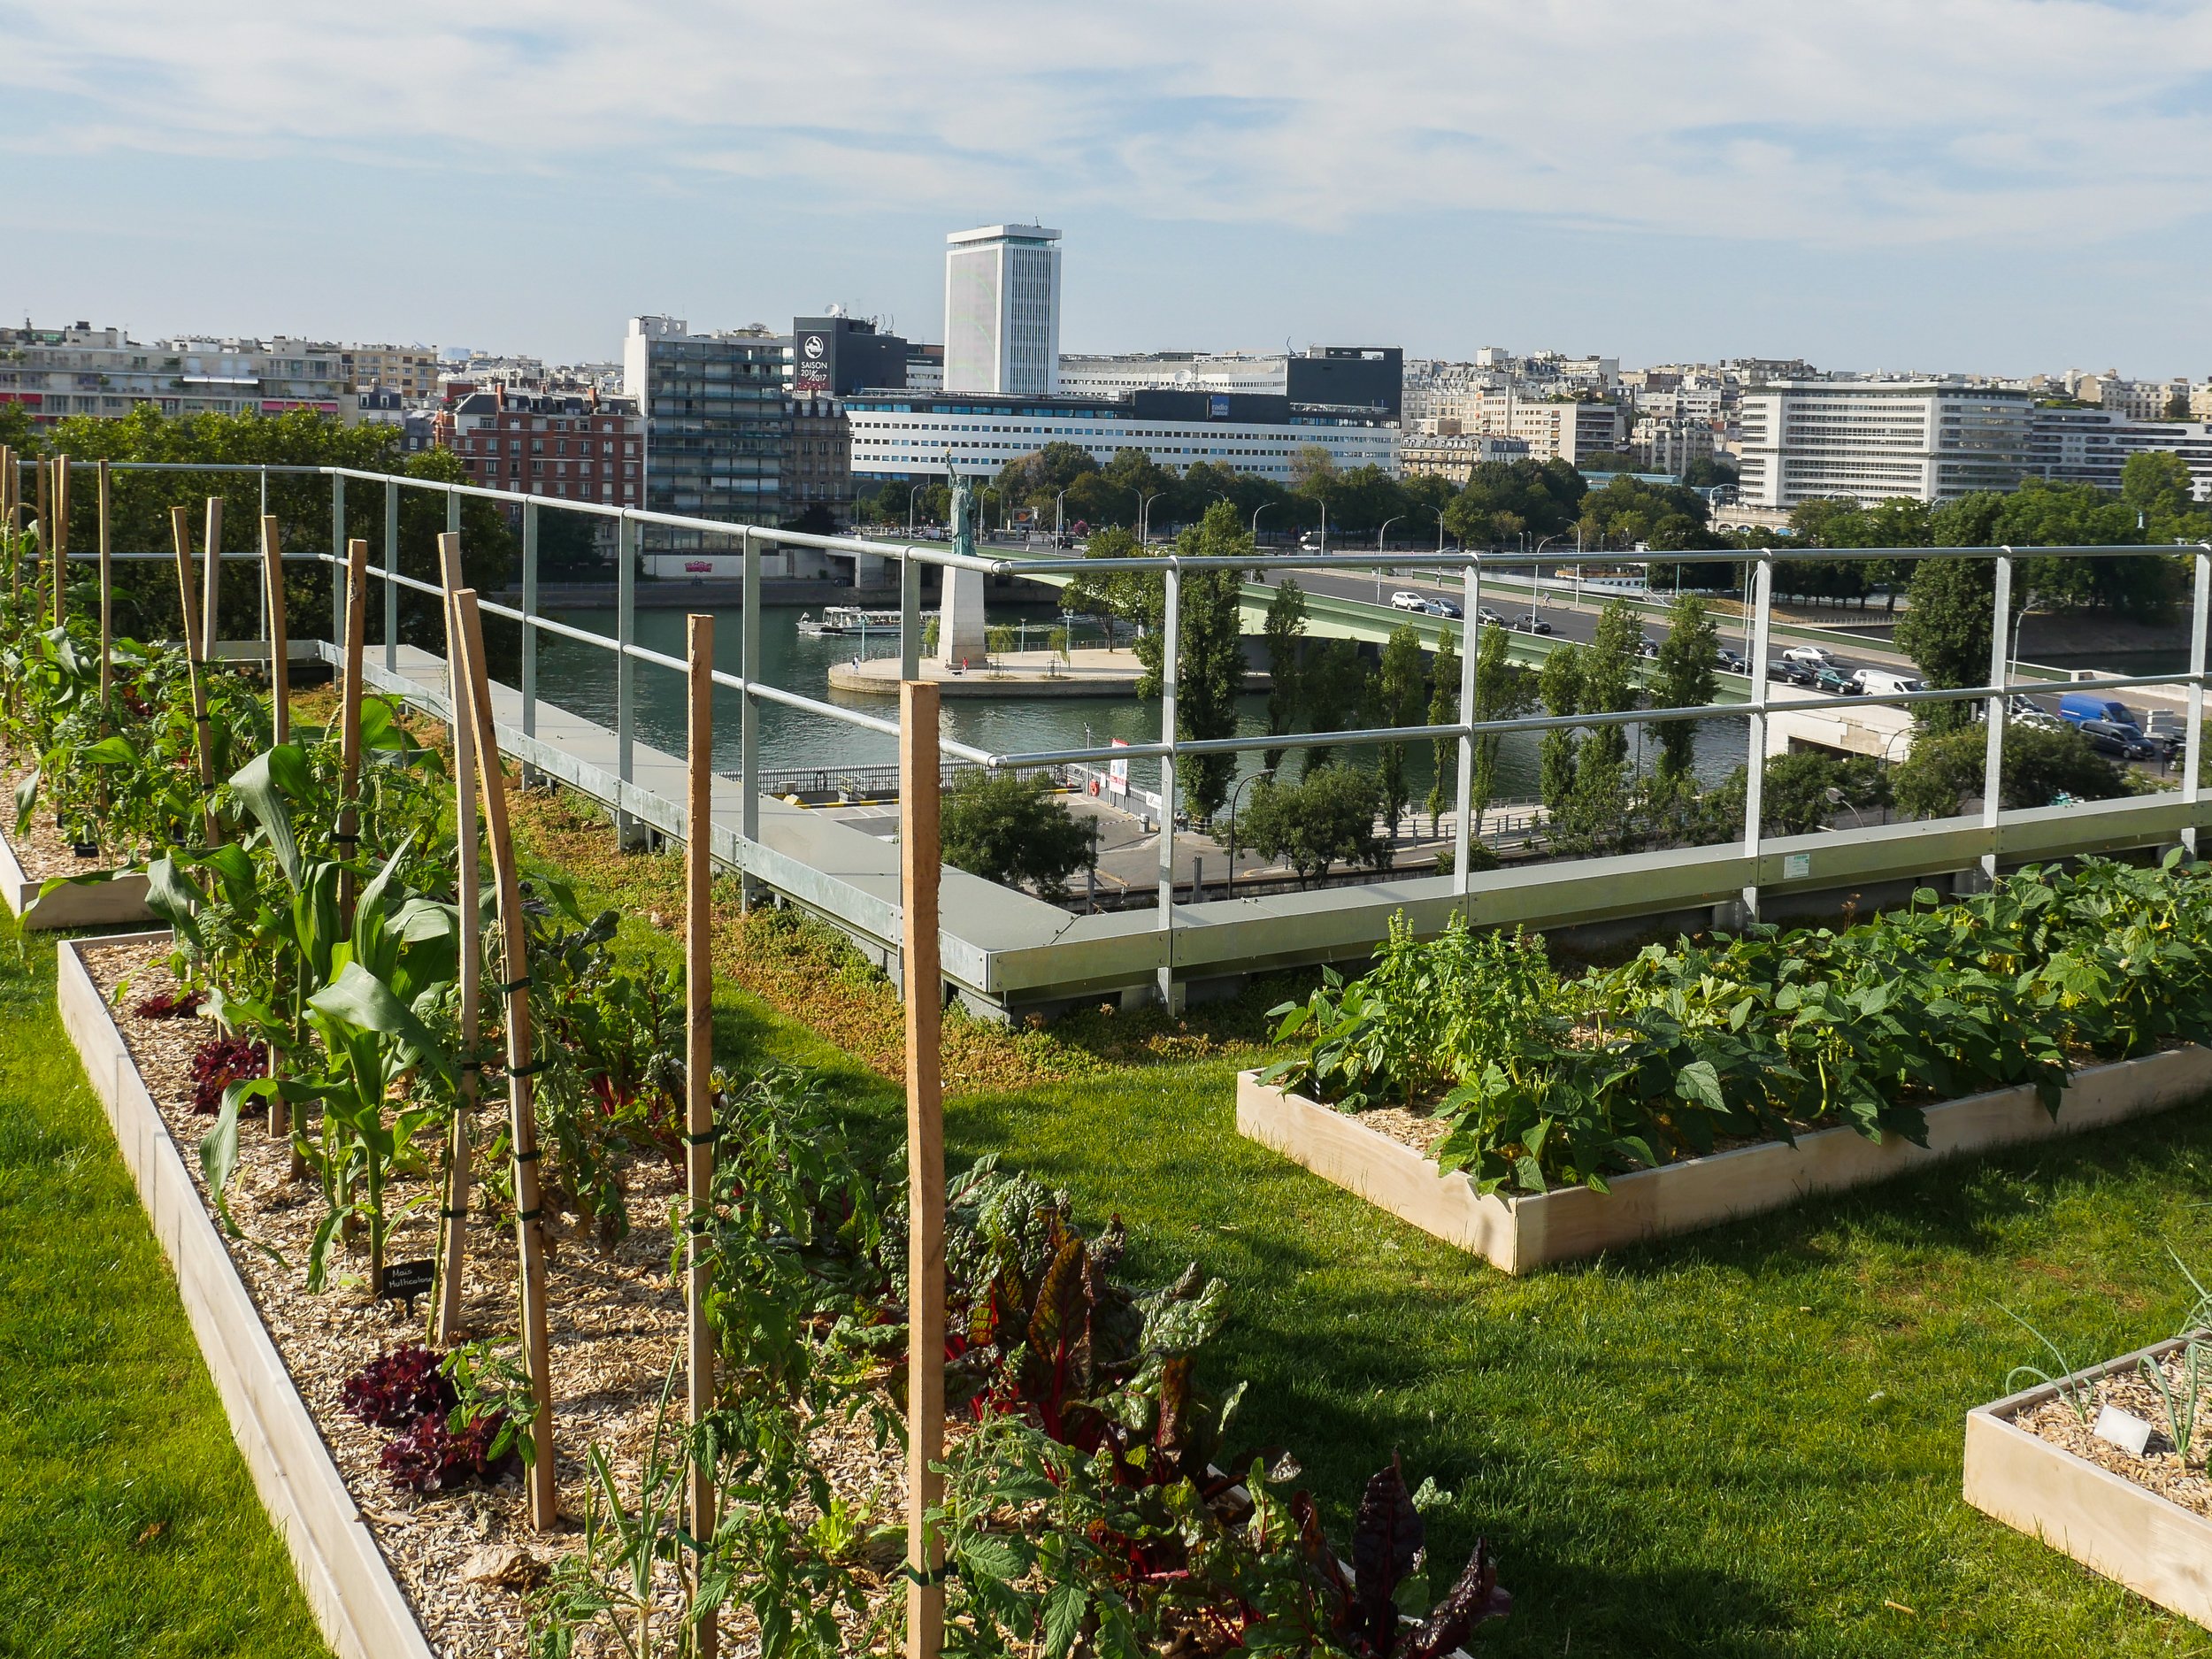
(2076, 706)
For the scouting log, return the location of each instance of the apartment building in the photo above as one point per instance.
(1455, 455)
(815, 468)
(1868, 440)
(80, 370)
(713, 408)
(1669, 443)
(411, 370)
(565, 446)
(2092, 446)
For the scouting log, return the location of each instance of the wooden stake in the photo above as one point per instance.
(918, 784)
(11, 513)
(60, 542)
(181, 528)
(211, 582)
(280, 646)
(42, 530)
(699, 1068)
(514, 929)
(348, 833)
(107, 590)
(453, 1218)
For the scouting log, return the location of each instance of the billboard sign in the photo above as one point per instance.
(810, 367)
(1217, 407)
(1117, 770)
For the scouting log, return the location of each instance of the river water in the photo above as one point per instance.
(581, 678)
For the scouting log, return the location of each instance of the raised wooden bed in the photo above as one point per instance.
(1523, 1232)
(356, 1601)
(116, 904)
(2128, 1533)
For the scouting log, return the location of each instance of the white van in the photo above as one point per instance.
(1880, 682)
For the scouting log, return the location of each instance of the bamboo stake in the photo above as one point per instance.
(11, 514)
(211, 582)
(42, 529)
(453, 1217)
(348, 833)
(107, 589)
(918, 784)
(699, 1069)
(280, 646)
(60, 542)
(529, 1213)
(181, 528)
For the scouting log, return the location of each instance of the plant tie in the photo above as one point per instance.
(531, 1070)
(530, 1156)
(512, 986)
(701, 1141)
(950, 1570)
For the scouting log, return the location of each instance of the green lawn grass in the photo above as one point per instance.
(1746, 1443)
(127, 1522)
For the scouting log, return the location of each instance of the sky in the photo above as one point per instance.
(1991, 186)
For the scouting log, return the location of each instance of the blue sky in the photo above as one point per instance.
(1997, 185)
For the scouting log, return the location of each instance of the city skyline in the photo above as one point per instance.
(1989, 186)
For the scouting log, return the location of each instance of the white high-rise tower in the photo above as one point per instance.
(1002, 310)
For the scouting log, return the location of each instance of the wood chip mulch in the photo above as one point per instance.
(616, 1319)
(2160, 1468)
(42, 850)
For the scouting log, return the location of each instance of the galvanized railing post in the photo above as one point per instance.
(748, 670)
(909, 618)
(391, 572)
(1462, 815)
(624, 673)
(1170, 648)
(1995, 711)
(337, 560)
(262, 591)
(2192, 741)
(1755, 771)
(529, 627)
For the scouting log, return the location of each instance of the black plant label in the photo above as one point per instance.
(404, 1281)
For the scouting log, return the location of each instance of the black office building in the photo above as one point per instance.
(832, 357)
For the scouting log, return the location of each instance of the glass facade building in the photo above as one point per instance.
(714, 424)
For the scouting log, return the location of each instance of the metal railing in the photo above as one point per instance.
(912, 557)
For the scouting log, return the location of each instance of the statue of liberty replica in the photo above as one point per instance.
(960, 640)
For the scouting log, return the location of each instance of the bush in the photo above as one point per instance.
(1945, 770)
(1327, 817)
(1011, 828)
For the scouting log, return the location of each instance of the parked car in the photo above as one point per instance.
(2169, 731)
(1788, 672)
(1835, 683)
(1808, 656)
(2076, 707)
(1443, 608)
(1405, 599)
(2115, 737)
(1729, 663)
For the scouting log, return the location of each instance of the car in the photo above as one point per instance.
(2111, 737)
(1443, 608)
(1531, 623)
(1788, 672)
(1405, 599)
(1808, 656)
(1729, 663)
(1486, 615)
(1646, 647)
(2168, 730)
(1835, 683)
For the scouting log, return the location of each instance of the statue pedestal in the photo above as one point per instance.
(960, 636)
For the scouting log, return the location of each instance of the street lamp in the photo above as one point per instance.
(1535, 576)
(1056, 517)
(1836, 798)
(1257, 511)
(1379, 534)
(1264, 772)
(2012, 663)
(1144, 509)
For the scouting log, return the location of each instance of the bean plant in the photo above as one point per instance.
(1548, 1081)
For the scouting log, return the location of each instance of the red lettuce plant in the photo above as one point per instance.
(434, 1456)
(220, 1062)
(396, 1390)
(170, 1005)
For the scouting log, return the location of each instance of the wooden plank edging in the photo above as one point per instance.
(1521, 1232)
(350, 1587)
(97, 904)
(2130, 1534)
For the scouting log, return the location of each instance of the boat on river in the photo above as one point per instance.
(837, 620)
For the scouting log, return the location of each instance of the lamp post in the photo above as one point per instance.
(1379, 534)
(2012, 663)
(1057, 518)
(1536, 577)
(1144, 510)
(1264, 772)
(1257, 511)
(1836, 798)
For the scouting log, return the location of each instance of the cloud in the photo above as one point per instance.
(1888, 122)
